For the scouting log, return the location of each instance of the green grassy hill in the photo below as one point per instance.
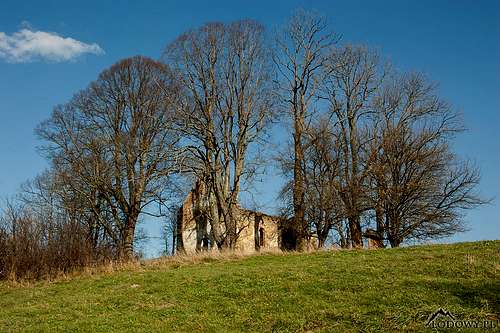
(371, 290)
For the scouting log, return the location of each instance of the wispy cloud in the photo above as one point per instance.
(27, 45)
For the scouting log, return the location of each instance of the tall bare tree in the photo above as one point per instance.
(353, 76)
(226, 74)
(299, 58)
(115, 139)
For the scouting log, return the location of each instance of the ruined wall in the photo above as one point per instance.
(251, 226)
(255, 225)
(186, 226)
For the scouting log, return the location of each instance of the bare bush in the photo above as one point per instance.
(34, 247)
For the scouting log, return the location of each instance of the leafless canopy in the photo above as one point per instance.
(300, 57)
(225, 72)
(419, 185)
(114, 146)
(374, 160)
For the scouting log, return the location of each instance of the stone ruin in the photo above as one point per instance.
(256, 230)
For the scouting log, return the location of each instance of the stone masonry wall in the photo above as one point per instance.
(256, 230)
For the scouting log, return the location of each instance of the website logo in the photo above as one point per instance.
(445, 319)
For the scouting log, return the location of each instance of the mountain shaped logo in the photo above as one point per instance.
(439, 313)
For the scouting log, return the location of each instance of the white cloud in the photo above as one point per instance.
(27, 45)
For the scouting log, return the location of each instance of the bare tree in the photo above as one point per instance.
(324, 207)
(420, 186)
(115, 144)
(353, 76)
(324, 210)
(225, 71)
(299, 58)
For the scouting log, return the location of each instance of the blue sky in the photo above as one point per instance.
(456, 43)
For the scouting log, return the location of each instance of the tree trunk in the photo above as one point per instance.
(232, 234)
(343, 240)
(126, 251)
(215, 223)
(355, 231)
(392, 228)
(379, 218)
(298, 188)
(394, 241)
(179, 229)
(321, 242)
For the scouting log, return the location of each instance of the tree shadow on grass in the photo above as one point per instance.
(473, 296)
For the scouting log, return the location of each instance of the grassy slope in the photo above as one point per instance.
(393, 290)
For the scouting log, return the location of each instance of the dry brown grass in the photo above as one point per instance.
(160, 263)
(200, 257)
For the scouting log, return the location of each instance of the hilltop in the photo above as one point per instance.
(369, 290)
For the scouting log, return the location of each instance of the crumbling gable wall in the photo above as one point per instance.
(256, 230)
